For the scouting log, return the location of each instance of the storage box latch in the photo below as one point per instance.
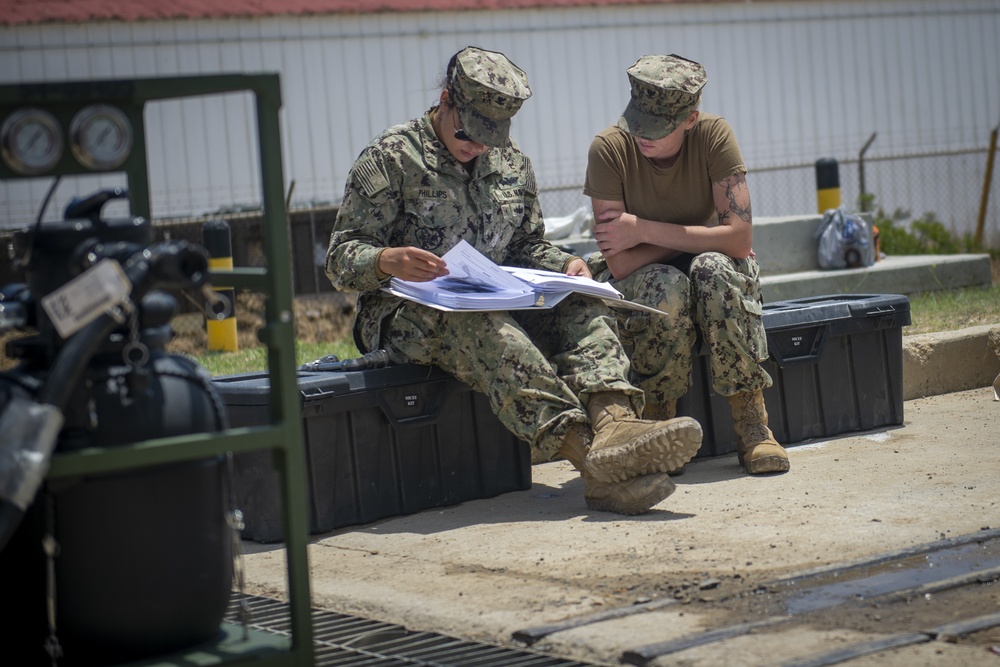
(884, 318)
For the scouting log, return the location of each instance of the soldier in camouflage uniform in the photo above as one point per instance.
(557, 378)
(673, 224)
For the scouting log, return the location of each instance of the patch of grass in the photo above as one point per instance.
(902, 234)
(255, 358)
(948, 310)
(322, 328)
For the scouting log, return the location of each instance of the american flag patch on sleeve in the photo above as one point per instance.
(530, 184)
(369, 177)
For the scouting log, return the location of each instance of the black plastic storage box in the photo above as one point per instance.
(837, 365)
(381, 442)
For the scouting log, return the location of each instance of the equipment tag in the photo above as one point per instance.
(88, 296)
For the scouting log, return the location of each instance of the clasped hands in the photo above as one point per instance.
(616, 231)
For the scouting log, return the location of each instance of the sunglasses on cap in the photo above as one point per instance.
(459, 132)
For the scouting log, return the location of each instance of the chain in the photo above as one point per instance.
(135, 354)
(235, 520)
(51, 548)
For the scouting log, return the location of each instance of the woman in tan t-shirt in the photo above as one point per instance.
(673, 224)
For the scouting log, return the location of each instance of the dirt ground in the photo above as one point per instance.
(318, 318)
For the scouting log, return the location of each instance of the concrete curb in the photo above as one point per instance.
(950, 361)
(897, 274)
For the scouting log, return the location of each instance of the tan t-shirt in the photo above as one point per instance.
(682, 193)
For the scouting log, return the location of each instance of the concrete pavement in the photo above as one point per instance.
(486, 569)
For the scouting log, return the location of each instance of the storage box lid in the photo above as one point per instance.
(845, 311)
(254, 388)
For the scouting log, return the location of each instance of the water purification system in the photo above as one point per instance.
(117, 529)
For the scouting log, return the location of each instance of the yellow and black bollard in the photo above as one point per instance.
(217, 240)
(827, 184)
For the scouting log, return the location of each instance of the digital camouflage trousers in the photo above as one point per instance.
(719, 298)
(534, 366)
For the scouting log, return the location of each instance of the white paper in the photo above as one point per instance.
(475, 282)
(552, 281)
(462, 294)
(465, 262)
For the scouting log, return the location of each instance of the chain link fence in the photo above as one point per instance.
(948, 185)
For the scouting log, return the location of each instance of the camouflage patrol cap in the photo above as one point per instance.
(665, 90)
(488, 90)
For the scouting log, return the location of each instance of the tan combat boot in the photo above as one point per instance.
(625, 446)
(758, 451)
(660, 411)
(633, 496)
(663, 412)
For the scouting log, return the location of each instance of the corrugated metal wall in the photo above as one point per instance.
(798, 80)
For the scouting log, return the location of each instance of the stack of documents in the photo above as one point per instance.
(474, 282)
(450, 293)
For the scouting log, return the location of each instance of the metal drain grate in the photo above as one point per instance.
(348, 641)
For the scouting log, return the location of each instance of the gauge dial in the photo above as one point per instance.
(32, 141)
(100, 136)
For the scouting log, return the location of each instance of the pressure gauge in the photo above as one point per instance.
(100, 136)
(32, 141)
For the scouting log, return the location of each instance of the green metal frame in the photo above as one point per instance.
(284, 433)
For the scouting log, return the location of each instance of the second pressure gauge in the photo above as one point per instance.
(100, 137)
(31, 141)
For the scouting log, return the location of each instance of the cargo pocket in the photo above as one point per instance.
(630, 327)
(753, 325)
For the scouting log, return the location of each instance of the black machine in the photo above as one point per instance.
(104, 383)
(117, 526)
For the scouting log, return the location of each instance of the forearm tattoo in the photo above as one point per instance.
(735, 184)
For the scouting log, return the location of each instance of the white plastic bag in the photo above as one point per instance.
(575, 224)
(844, 241)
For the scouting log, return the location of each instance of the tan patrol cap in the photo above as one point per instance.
(488, 89)
(665, 90)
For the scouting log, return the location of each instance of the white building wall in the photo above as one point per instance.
(798, 80)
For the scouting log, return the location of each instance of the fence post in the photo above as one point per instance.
(862, 199)
(827, 184)
(984, 200)
(217, 239)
